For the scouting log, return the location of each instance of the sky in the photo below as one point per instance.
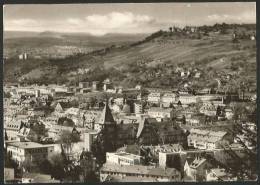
(100, 19)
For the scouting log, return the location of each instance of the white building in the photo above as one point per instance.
(208, 109)
(154, 97)
(168, 98)
(206, 139)
(138, 108)
(187, 99)
(159, 113)
(123, 158)
(21, 151)
(219, 174)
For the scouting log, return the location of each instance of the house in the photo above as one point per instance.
(168, 98)
(21, 151)
(60, 108)
(32, 130)
(154, 97)
(219, 174)
(208, 109)
(138, 108)
(84, 85)
(55, 131)
(150, 131)
(36, 111)
(205, 91)
(195, 120)
(107, 84)
(12, 128)
(126, 134)
(229, 113)
(196, 169)
(160, 113)
(206, 139)
(187, 99)
(91, 116)
(123, 158)
(149, 173)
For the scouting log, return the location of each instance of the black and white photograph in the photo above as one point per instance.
(130, 92)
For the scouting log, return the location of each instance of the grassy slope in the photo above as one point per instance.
(216, 51)
(181, 51)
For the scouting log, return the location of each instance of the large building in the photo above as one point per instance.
(160, 113)
(154, 97)
(21, 151)
(207, 139)
(123, 158)
(168, 98)
(150, 131)
(187, 99)
(142, 173)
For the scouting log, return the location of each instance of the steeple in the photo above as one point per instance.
(106, 116)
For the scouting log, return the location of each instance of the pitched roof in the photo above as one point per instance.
(139, 169)
(197, 162)
(27, 145)
(140, 127)
(106, 116)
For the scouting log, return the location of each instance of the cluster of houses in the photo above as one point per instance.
(172, 126)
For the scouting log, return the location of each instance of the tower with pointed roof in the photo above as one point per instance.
(107, 128)
(106, 119)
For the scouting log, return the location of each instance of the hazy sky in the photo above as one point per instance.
(123, 18)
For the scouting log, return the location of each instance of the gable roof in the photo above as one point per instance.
(197, 162)
(139, 169)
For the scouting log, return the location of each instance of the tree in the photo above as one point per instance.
(8, 161)
(29, 165)
(218, 112)
(245, 167)
(68, 138)
(57, 166)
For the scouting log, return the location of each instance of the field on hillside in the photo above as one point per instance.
(146, 62)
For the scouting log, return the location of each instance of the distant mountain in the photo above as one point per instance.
(50, 34)
(19, 34)
(113, 36)
(140, 61)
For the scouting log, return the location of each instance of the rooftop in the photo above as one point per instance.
(219, 172)
(27, 145)
(139, 169)
(126, 155)
(159, 109)
(197, 162)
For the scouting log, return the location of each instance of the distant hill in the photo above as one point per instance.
(114, 37)
(139, 61)
(19, 34)
(19, 42)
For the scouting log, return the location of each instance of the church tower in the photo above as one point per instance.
(106, 119)
(107, 129)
